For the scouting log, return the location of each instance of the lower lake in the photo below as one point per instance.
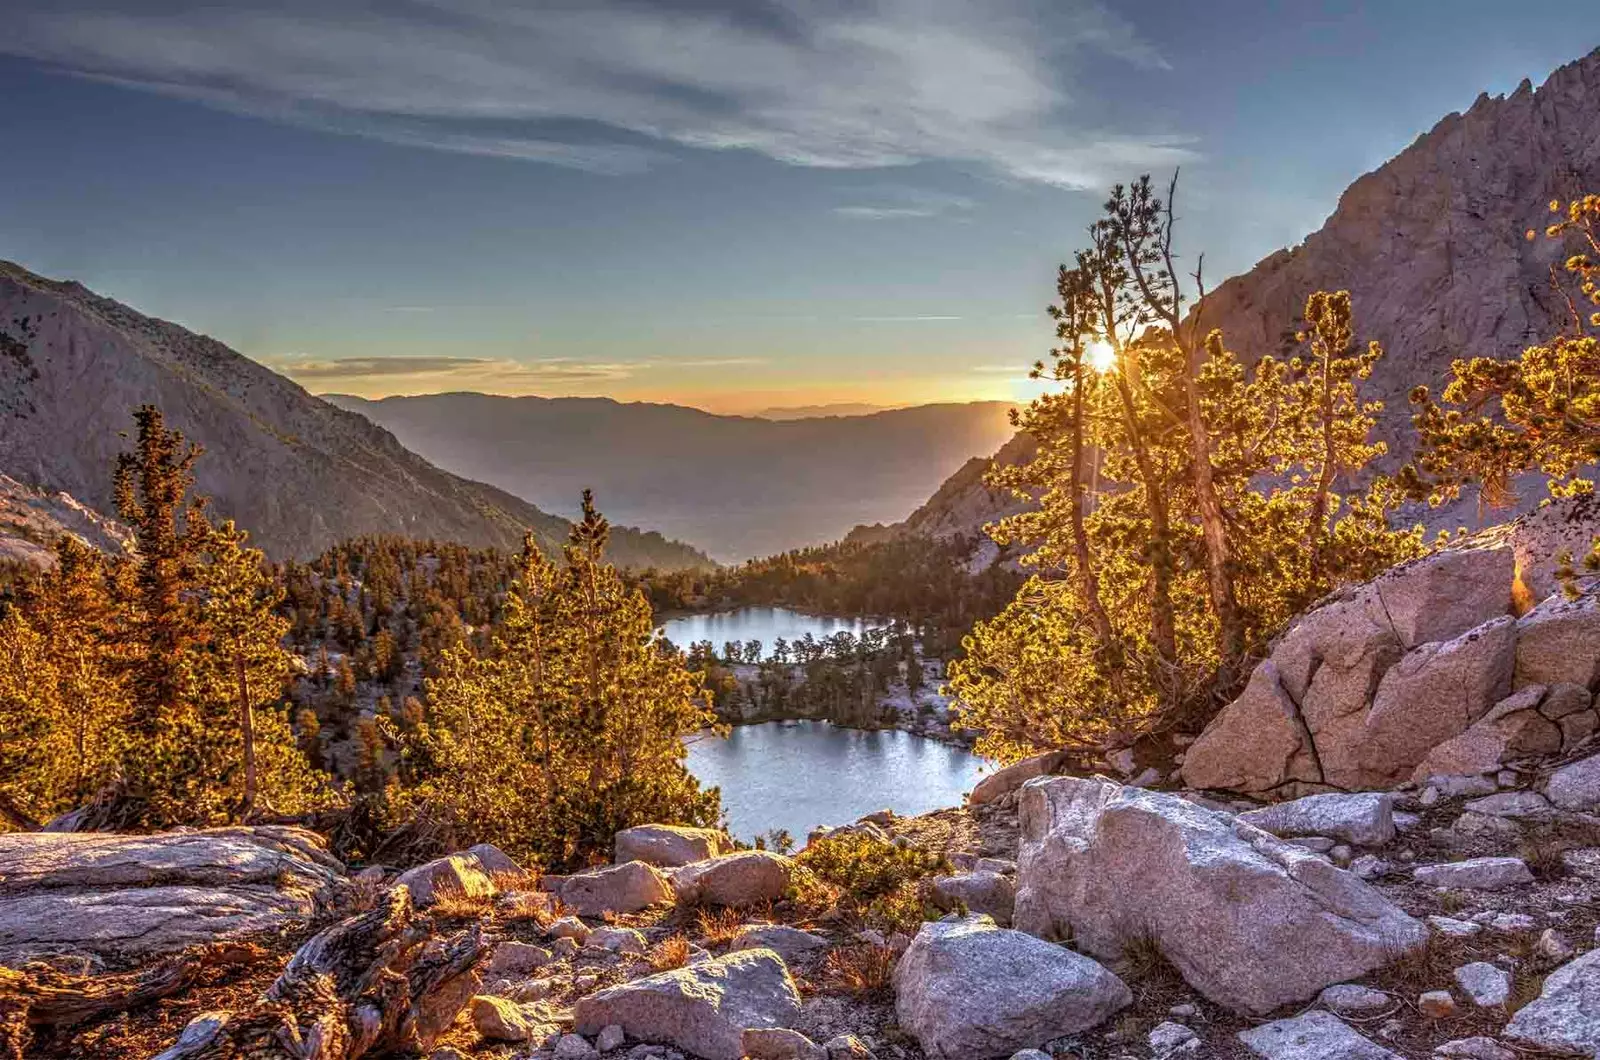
(765, 624)
(796, 775)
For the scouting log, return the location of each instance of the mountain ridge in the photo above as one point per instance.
(76, 363)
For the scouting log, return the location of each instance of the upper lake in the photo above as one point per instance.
(765, 624)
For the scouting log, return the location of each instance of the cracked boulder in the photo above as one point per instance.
(1248, 920)
(129, 898)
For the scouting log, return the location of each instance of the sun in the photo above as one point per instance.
(1102, 358)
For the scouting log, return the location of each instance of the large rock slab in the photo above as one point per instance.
(133, 897)
(704, 1008)
(1365, 818)
(967, 990)
(620, 889)
(669, 845)
(1565, 1018)
(1558, 642)
(743, 879)
(1010, 778)
(1250, 921)
(1258, 743)
(1313, 1036)
(1441, 596)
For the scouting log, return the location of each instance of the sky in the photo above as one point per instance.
(733, 204)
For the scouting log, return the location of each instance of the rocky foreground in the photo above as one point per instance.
(1388, 847)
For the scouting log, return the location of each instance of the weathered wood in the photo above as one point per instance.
(380, 982)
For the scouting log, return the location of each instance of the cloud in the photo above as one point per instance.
(441, 371)
(901, 203)
(615, 86)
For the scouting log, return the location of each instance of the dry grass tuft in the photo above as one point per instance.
(720, 926)
(452, 903)
(1545, 845)
(671, 952)
(858, 970)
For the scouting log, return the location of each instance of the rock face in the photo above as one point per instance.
(1411, 675)
(87, 361)
(704, 1008)
(1250, 921)
(126, 897)
(967, 990)
(1566, 1016)
(669, 845)
(620, 889)
(742, 879)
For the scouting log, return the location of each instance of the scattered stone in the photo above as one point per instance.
(610, 1038)
(1479, 1048)
(1484, 984)
(516, 958)
(1351, 999)
(669, 845)
(501, 1020)
(967, 989)
(976, 892)
(1566, 1016)
(1109, 866)
(1507, 923)
(1030, 1054)
(618, 940)
(1312, 1036)
(703, 1008)
(1553, 946)
(1167, 1039)
(780, 1043)
(569, 927)
(736, 880)
(1014, 776)
(1576, 787)
(1480, 874)
(1004, 866)
(1437, 1004)
(848, 1047)
(1316, 844)
(454, 876)
(1365, 819)
(1463, 786)
(1341, 855)
(574, 1047)
(1370, 867)
(1511, 804)
(1406, 822)
(788, 942)
(625, 888)
(1183, 1011)
(1453, 928)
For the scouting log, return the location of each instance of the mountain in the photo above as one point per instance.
(31, 520)
(1433, 248)
(814, 412)
(299, 473)
(738, 486)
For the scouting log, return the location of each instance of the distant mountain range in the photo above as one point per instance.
(813, 412)
(297, 472)
(738, 486)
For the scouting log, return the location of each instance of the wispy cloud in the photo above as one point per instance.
(510, 375)
(924, 318)
(614, 86)
(901, 203)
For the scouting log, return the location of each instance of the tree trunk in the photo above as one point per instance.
(1163, 625)
(247, 726)
(1316, 535)
(1088, 579)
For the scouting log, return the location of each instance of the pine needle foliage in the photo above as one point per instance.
(1123, 624)
(567, 727)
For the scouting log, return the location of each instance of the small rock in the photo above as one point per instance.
(1506, 778)
(780, 1043)
(1312, 1036)
(1458, 786)
(1430, 795)
(1576, 787)
(456, 876)
(564, 948)
(1370, 867)
(625, 888)
(516, 958)
(1437, 1004)
(618, 940)
(737, 880)
(1406, 822)
(848, 1047)
(611, 1038)
(1183, 1011)
(1479, 1048)
(1341, 855)
(1507, 923)
(1351, 999)
(669, 845)
(1486, 985)
(976, 892)
(1453, 928)
(1317, 844)
(1564, 1018)
(1364, 818)
(1030, 1054)
(1483, 874)
(569, 927)
(574, 1047)
(1553, 945)
(1511, 804)
(501, 1020)
(1003, 866)
(788, 942)
(1167, 1038)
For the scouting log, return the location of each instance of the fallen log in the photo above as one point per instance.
(383, 981)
